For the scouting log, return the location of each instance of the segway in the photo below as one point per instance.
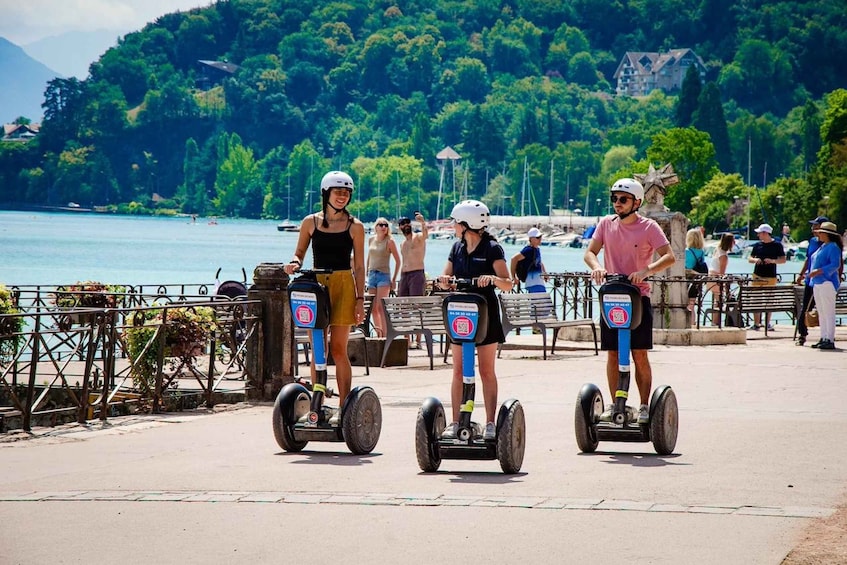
(620, 306)
(299, 415)
(466, 321)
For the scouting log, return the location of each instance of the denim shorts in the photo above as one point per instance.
(378, 279)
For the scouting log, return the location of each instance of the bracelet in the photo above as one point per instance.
(297, 261)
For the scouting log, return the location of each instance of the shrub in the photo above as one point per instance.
(187, 333)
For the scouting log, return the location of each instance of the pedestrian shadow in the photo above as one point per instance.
(646, 459)
(337, 458)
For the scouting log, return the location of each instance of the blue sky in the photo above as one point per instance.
(26, 21)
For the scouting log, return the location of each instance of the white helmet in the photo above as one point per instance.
(472, 212)
(336, 179)
(630, 186)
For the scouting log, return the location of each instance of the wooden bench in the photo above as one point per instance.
(535, 310)
(408, 315)
(767, 300)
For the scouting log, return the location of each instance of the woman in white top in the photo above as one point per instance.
(381, 248)
(717, 268)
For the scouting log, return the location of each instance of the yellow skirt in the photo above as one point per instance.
(342, 297)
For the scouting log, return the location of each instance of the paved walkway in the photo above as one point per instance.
(760, 455)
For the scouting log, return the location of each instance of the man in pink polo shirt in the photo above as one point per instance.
(629, 242)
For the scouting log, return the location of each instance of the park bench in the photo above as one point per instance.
(536, 310)
(408, 315)
(767, 300)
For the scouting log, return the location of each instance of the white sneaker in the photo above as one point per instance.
(335, 419)
(606, 416)
(450, 431)
(490, 433)
(643, 414)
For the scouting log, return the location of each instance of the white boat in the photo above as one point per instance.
(288, 225)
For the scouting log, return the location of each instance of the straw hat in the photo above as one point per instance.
(829, 227)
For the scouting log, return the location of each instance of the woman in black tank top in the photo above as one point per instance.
(338, 244)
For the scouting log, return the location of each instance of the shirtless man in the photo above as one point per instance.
(412, 251)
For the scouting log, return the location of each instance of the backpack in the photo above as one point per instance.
(522, 268)
(700, 263)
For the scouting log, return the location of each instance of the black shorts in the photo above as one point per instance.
(642, 336)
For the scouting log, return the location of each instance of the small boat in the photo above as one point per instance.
(288, 226)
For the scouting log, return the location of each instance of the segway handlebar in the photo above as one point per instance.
(459, 283)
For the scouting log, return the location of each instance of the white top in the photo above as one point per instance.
(714, 262)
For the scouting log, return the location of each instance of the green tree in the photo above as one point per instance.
(193, 192)
(709, 118)
(689, 97)
(238, 187)
(693, 158)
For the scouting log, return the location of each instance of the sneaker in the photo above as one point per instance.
(643, 415)
(754, 327)
(771, 327)
(335, 419)
(801, 341)
(817, 345)
(606, 416)
(450, 431)
(490, 433)
(825, 344)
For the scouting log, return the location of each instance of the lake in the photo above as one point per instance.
(45, 248)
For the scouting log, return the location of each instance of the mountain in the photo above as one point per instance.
(71, 53)
(24, 82)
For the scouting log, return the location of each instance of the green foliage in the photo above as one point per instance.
(9, 324)
(693, 157)
(186, 330)
(89, 294)
(322, 84)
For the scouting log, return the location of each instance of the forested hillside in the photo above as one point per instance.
(523, 90)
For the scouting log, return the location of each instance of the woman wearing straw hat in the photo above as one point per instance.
(825, 278)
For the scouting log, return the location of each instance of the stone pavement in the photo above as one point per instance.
(760, 456)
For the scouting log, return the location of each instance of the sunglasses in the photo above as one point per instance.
(382, 225)
(405, 224)
(622, 199)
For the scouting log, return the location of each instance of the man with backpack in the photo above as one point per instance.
(526, 265)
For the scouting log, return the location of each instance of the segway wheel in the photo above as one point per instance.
(511, 436)
(589, 406)
(664, 420)
(429, 425)
(284, 416)
(361, 421)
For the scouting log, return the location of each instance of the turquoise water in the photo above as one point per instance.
(40, 248)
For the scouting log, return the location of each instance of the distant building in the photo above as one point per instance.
(213, 73)
(639, 74)
(20, 132)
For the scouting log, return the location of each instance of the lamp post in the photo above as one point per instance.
(780, 221)
(826, 205)
(570, 216)
(598, 209)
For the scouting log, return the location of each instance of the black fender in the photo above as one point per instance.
(656, 397)
(286, 398)
(503, 413)
(429, 408)
(354, 392)
(586, 399)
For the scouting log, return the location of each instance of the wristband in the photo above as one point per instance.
(297, 261)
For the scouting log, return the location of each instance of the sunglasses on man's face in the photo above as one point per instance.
(401, 224)
(623, 199)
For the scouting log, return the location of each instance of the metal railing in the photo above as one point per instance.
(73, 362)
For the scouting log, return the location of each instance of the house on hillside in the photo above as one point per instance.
(20, 132)
(213, 73)
(640, 73)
